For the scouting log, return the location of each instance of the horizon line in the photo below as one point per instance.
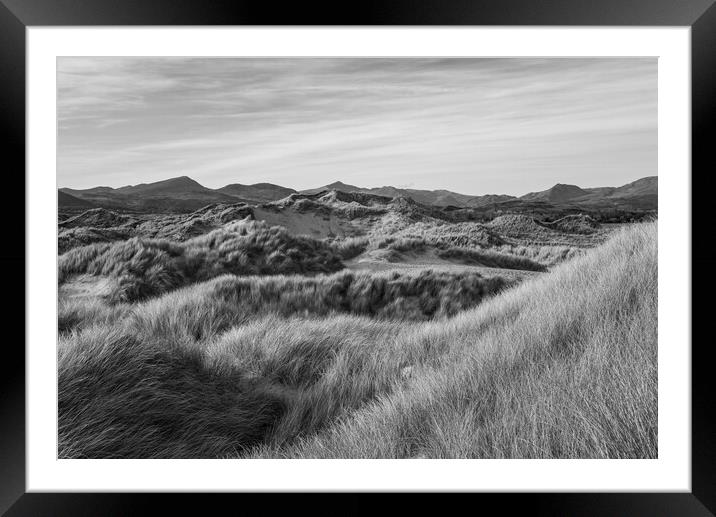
(358, 186)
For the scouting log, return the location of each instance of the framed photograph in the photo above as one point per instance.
(424, 249)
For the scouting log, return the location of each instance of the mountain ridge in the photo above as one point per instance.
(183, 193)
(263, 192)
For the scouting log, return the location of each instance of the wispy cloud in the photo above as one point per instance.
(471, 125)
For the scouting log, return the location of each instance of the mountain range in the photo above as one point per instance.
(184, 194)
(426, 197)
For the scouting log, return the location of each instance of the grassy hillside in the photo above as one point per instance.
(563, 365)
(234, 300)
(521, 377)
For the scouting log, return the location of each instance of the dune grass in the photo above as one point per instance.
(77, 313)
(148, 267)
(476, 255)
(544, 254)
(440, 233)
(562, 366)
(522, 378)
(490, 258)
(386, 295)
(153, 402)
(350, 247)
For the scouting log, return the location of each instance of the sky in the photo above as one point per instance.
(475, 126)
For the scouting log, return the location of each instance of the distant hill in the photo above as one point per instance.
(560, 193)
(426, 197)
(489, 199)
(181, 194)
(642, 187)
(182, 185)
(184, 194)
(639, 194)
(65, 200)
(259, 192)
(336, 185)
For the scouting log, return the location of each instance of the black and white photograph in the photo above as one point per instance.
(357, 257)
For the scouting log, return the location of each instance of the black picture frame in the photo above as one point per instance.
(700, 15)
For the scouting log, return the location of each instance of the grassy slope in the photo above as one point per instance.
(235, 300)
(561, 366)
(564, 366)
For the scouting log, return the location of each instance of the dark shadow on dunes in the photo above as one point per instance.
(122, 398)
